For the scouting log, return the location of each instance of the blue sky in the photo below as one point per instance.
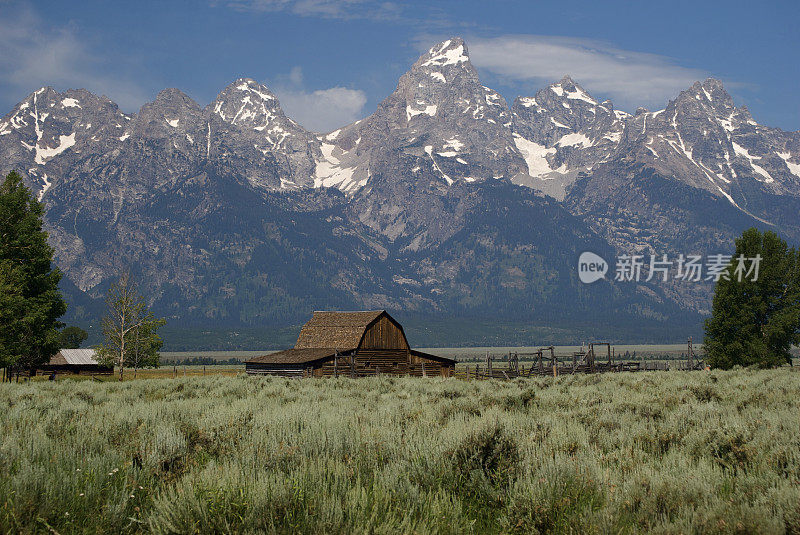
(333, 61)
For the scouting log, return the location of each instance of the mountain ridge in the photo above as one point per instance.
(446, 200)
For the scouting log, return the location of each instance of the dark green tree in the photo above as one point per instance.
(12, 313)
(756, 322)
(35, 301)
(72, 337)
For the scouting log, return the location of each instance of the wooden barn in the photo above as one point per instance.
(75, 361)
(351, 344)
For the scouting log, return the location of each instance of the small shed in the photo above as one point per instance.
(351, 344)
(75, 361)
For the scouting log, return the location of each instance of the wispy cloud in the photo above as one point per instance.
(322, 110)
(628, 77)
(35, 54)
(332, 9)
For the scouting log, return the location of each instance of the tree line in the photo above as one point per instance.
(31, 302)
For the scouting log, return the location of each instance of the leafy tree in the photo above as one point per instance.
(129, 329)
(72, 337)
(31, 302)
(756, 322)
(145, 343)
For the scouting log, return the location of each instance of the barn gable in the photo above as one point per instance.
(342, 330)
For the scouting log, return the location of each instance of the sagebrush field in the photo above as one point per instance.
(712, 452)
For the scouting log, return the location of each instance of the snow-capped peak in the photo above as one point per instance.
(450, 52)
(445, 61)
(247, 103)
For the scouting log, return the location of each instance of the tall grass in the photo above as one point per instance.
(644, 452)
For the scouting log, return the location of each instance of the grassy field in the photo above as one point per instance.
(663, 452)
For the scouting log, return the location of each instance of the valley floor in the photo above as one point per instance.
(670, 452)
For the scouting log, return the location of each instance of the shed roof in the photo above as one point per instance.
(78, 356)
(342, 330)
(296, 356)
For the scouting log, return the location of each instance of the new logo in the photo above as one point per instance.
(591, 267)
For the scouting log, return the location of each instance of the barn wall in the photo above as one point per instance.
(287, 370)
(75, 369)
(384, 334)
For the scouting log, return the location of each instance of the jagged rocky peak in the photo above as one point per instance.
(449, 57)
(438, 127)
(443, 81)
(564, 108)
(712, 91)
(47, 107)
(708, 99)
(48, 126)
(172, 112)
(247, 103)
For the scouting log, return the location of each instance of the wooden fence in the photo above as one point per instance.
(598, 357)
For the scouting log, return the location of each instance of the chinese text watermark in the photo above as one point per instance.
(691, 268)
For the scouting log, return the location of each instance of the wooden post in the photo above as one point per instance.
(335, 361)
(423, 370)
(488, 365)
(690, 359)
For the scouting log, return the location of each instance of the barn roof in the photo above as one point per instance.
(342, 330)
(78, 356)
(295, 356)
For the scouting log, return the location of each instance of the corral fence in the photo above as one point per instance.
(597, 357)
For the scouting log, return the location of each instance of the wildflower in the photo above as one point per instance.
(81, 494)
(66, 513)
(131, 495)
(141, 487)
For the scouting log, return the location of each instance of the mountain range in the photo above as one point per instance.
(446, 202)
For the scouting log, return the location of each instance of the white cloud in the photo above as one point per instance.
(332, 9)
(323, 110)
(35, 55)
(629, 78)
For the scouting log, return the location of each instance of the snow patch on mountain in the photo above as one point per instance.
(794, 168)
(428, 109)
(45, 153)
(535, 156)
(574, 139)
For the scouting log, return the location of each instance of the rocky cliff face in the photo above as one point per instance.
(445, 200)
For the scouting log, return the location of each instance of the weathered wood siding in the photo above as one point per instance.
(74, 369)
(384, 362)
(282, 370)
(384, 334)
